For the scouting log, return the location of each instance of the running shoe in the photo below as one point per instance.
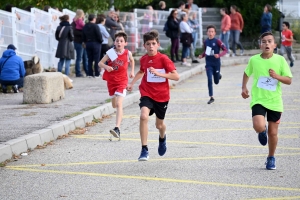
(115, 132)
(15, 89)
(263, 137)
(270, 163)
(291, 64)
(144, 155)
(242, 52)
(162, 147)
(211, 100)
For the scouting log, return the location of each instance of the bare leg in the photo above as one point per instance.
(144, 118)
(119, 113)
(259, 123)
(161, 127)
(113, 102)
(273, 137)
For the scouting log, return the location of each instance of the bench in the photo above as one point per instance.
(43, 88)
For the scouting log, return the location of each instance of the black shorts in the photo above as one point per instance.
(159, 108)
(272, 116)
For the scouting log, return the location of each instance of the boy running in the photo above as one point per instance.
(286, 42)
(269, 71)
(155, 70)
(116, 76)
(212, 56)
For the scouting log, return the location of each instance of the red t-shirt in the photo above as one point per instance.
(286, 34)
(119, 75)
(158, 91)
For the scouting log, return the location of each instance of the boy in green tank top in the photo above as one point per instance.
(269, 71)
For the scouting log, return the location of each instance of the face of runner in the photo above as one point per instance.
(211, 33)
(268, 44)
(120, 43)
(151, 46)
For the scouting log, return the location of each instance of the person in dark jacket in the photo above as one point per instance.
(12, 70)
(92, 38)
(266, 19)
(65, 48)
(112, 25)
(174, 31)
(80, 51)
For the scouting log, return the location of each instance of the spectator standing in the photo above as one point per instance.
(186, 38)
(65, 48)
(194, 24)
(112, 25)
(92, 39)
(173, 28)
(225, 28)
(191, 6)
(77, 25)
(161, 17)
(105, 35)
(12, 70)
(237, 25)
(181, 9)
(266, 19)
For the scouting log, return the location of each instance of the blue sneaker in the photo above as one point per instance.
(291, 64)
(162, 147)
(270, 163)
(144, 155)
(263, 137)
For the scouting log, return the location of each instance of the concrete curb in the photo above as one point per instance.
(39, 137)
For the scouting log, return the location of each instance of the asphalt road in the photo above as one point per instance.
(213, 153)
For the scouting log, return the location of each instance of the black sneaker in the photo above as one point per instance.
(115, 132)
(211, 100)
(195, 61)
(291, 64)
(15, 89)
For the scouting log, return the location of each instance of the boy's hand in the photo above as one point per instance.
(200, 56)
(245, 93)
(109, 68)
(129, 87)
(131, 75)
(153, 71)
(272, 73)
(217, 55)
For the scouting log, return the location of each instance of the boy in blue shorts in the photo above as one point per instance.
(269, 70)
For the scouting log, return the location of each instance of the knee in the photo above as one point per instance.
(159, 126)
(259, 128)
(144, 117)
(118, 104)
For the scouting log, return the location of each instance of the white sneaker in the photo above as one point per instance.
(242, 52)
(233, 55)
(186, 64)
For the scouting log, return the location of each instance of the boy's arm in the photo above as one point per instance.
(138, 75)
(173, 75)
(104, 66)
(132, 63)
(283, 79)
(245, 92)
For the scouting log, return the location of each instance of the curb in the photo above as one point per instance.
(39, 137)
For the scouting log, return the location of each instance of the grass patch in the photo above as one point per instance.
(107, 100)
(73, 115)
(29, 114)
(89, 108)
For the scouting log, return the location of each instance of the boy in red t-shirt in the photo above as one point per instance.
(155, 70)
(286, 42)
(116, 76)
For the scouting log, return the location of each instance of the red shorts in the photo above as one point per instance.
(114, 89)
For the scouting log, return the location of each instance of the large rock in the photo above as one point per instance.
(43, 88)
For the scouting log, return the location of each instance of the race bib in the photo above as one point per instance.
(156, 79)
(208, 51)
(267, 83)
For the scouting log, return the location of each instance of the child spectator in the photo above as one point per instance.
(286, 42)
(269, 70)
(155, 70)
(212, 56)
(116, 76)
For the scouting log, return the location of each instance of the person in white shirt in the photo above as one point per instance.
(105, 35)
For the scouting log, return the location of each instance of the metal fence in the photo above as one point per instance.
(33, 33)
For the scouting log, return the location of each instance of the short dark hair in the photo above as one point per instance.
(211, 26)
(100, 19)
(121, 34)
(287, 24)
(46, 8)
(151, 35)
(266, 34)
(91, 17)
(64, 18)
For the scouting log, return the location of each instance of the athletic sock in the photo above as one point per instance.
(162, 139)
(145, 147)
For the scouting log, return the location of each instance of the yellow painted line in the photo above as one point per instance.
(153, 160)
(168, 180)
(292, 136)
(275, 198)
(189, 142)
